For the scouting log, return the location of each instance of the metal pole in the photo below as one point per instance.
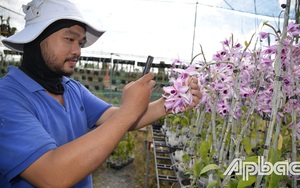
(110, 78)
(195, 24)
(147, 162)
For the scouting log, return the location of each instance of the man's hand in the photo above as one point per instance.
(182, 96)
(195, 91)
(136, 95)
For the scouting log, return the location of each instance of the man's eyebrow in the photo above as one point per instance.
(69, 31)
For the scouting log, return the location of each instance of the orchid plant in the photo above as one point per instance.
(250, 102)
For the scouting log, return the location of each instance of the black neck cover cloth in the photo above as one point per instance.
(34, 65)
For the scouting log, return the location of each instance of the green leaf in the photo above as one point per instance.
(275, 157)
(212, 184)
(176, 120)
(185, 120)
(204, 147)
(274, 180)
(186, 158)
(233, 183)
(197, 169)
(280, 141)
(252, 159)
(209, 167)
(254, 135)
(247, 145)
(249, 182)
(266, 22)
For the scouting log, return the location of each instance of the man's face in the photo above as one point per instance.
(62, 49)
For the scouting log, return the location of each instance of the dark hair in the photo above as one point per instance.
(56, 26)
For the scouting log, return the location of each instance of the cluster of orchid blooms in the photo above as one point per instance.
(236, 72)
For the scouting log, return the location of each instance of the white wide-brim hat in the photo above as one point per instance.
(39, 14)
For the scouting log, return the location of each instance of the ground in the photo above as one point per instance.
(133, 175)
(106, 177)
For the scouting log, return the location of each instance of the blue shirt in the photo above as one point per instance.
(32, 123)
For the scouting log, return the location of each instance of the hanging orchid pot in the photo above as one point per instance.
(4, 28)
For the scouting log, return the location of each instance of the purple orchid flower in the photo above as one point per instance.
(264, 35)
(292, 29)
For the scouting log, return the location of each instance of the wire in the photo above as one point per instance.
(229, 5)
(11, 11)
(169, 1)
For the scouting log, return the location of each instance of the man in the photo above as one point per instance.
(45, 116)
